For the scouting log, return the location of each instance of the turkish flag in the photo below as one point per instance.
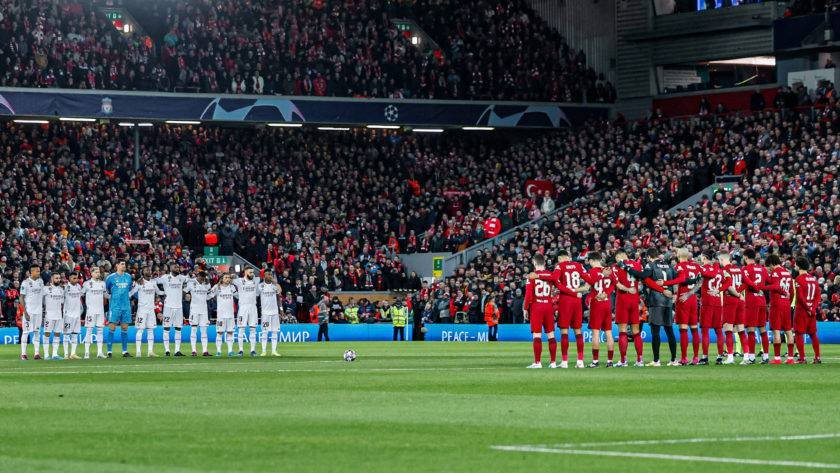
(537, 187)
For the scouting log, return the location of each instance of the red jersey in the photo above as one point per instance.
(779, 284)
(568, 277)
(600, 285)
(538, 291)
(755, 278)
(712, 282)
(735, 280)
(807, 294)
(625, 279)
(685, 270)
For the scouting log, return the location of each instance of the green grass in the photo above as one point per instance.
(403, 407)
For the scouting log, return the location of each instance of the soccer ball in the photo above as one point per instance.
(349, 355)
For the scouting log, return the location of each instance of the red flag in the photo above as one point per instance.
(537, 187)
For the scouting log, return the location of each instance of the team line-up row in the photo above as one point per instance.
(733, 299)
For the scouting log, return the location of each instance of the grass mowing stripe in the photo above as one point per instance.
(662, 456)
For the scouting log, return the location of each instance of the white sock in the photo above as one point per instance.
(66, 344)
(99, 340)
(252, 339)
(264, 340)
(150, 339)
(241, 339)
(36, 342)
(166, 340)
(88, 339)
(274, 341)
(193, 336)
(229, 340)
(203, 339)
(24, 341)
(56, 342)
(177, 339)
(74, 342)
(219, 341)
(138, 341)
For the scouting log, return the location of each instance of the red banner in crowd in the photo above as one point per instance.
(537, 187)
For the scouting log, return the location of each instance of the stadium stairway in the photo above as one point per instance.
(726, 183)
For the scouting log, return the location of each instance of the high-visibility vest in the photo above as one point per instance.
(399, 316)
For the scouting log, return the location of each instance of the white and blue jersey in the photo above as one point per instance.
(119, 287)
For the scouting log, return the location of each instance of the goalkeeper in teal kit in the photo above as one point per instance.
(118, 286)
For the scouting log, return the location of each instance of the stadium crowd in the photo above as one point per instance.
(295, 47)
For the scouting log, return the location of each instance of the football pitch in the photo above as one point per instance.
(413, 407)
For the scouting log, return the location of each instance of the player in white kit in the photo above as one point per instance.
(53, 315)
(173, 308)
(94, 292)
(225, 294)
(32, 300)
(146, 290)
(199, 293)
(269, 292)
(72, 315)
(246, 319)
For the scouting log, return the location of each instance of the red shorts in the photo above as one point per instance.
(803, 323)
(600, 316)
(569, 313)
(686, 312)
(542, 319)
(733, 314)
(780, 318)
(755, 316)
(710, 316)
(626, 311)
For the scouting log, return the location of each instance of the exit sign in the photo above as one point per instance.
(217, 260)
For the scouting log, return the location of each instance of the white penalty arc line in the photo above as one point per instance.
(662, 456)
(692, 440)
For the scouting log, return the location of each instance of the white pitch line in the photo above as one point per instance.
(693, 440)
(661, 456)
(42, 372)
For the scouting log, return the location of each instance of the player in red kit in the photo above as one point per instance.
(539, 309)
(600, 311)
(780, 285)
(733, 306)
(688, 273)
(627, 307)
(711, 305)
(755, 278)
(568, 278)
(805, 311)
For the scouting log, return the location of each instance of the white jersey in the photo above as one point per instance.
(200, 294)
(53, 302)
(224, 300)
(33, 296)
(73, 301)
(173, 286)
(248, 290)
(146, 292)
(94, 292)
(268, 299)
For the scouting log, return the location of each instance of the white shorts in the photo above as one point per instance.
(247, 317)
(53, 325)
(173, 317)
(271, 323)
(72, 324)
(33, 324)
(201, 320)
(94, 320)
(145, 319)
(224, 325)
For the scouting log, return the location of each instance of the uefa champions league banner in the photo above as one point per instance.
(299, 333)
(274, 108)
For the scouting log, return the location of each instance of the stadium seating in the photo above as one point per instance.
(292, 47)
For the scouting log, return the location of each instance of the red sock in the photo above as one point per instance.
(777, 349)
(815, 343)
(683, 343)
(538, 350)
(579, 341)
(695, 341)
(730, 343)
(745, 347)
(800, 345)
(706, 341)
(765, 343)
(719, 340)
(639, 344)
(610, 354)
(552, 349)
(790, 349)
(622, 346)
(564, 346)
(751, 341)
(595, 354)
